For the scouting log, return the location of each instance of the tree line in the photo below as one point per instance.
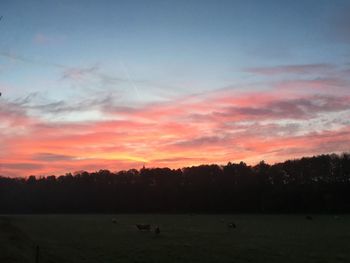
(310, 184)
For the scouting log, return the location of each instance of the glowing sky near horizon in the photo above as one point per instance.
(89, 85)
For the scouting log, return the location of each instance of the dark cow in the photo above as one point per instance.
(157, 230)
(143, 227)
(231, 225)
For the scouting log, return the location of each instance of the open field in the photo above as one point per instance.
(183, 238)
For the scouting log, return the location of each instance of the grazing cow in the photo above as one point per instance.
(157, 230)
(143, 227)
(231, 225)
(308, 217)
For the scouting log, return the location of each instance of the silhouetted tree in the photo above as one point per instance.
(310, 184)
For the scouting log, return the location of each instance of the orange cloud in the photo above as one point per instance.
(214, 128)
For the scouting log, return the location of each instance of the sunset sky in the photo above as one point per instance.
(89, 85)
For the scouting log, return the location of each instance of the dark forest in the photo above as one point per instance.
(319, 184)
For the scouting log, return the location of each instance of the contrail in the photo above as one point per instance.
(130, 80)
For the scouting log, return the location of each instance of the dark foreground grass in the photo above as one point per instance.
(183, 238)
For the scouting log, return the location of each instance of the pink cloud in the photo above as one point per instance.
(320, 84)
(292, 69)
(218, 128)
(44, 39)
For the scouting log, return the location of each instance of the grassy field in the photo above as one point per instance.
(183, 238)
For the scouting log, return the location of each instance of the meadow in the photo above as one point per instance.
(183, 238)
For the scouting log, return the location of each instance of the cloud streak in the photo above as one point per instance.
(292, 69)
(207, 128)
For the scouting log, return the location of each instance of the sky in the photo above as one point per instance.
(90, 85)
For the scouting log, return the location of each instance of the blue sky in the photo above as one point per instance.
(95, 61)
(204, 43)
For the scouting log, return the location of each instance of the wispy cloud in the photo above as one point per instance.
(292, 69)
(44, 39)
(51, 157)
(79, 73)
(30, 60)
(92, 74)
(215, 127)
